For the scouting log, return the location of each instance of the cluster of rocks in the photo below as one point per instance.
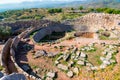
(50, 76)
(71, 62)
(40, 53)
(109, 53)
(89, 47)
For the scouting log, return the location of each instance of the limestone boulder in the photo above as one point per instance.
(70, 74)
(51, 74)
(63, 67)
(81, 62)
(76, 70)
(40, 53)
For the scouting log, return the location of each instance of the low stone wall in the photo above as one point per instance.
(14, 51)
(6, 60)
(48, 31)
(9, 52)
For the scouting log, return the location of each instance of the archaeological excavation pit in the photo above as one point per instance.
(53, 37)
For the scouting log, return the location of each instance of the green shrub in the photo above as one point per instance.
(106, 34)
(103, 37)
(108, 10)
(72, 9)
(5, 32)
(55, 10)
(81, 7)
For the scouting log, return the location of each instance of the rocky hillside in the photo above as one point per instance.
(96, 21)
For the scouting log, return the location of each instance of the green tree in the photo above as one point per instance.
(91, 9)
(72, 8)
(55, 10)
(81, 7)
(109, 10)
(5, 32)
(116, 12)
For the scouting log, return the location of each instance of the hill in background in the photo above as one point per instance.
(54, 4)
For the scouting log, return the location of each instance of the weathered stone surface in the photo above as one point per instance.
(48, 78)
(104, 52)
(70, 74)
(47, 31)
(112, 61)
(81, 58)
(39, 54)
(63, 67)
(66, 56)
(75, 49)
(73, 56)
(94, 68)
(56, 62)
(98, 18)
(14, 76)
(78, 53)
(15, 42)
(106, 62)
(6, 60)
(51, 74)
(102, 66)
(51, 54)
(70, 63)
(89, 64)
(109, 57)
(83, 55)
(81, 62)
(102, 58)
(60, 57)
(76, 70)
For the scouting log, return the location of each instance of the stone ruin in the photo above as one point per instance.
(9, 60)
(10, 50)
(96, 21)
(48, 31)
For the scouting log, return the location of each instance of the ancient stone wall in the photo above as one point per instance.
(96, 21)
(13, 51)
(6, 61)
(48, 31)
(9, 52)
